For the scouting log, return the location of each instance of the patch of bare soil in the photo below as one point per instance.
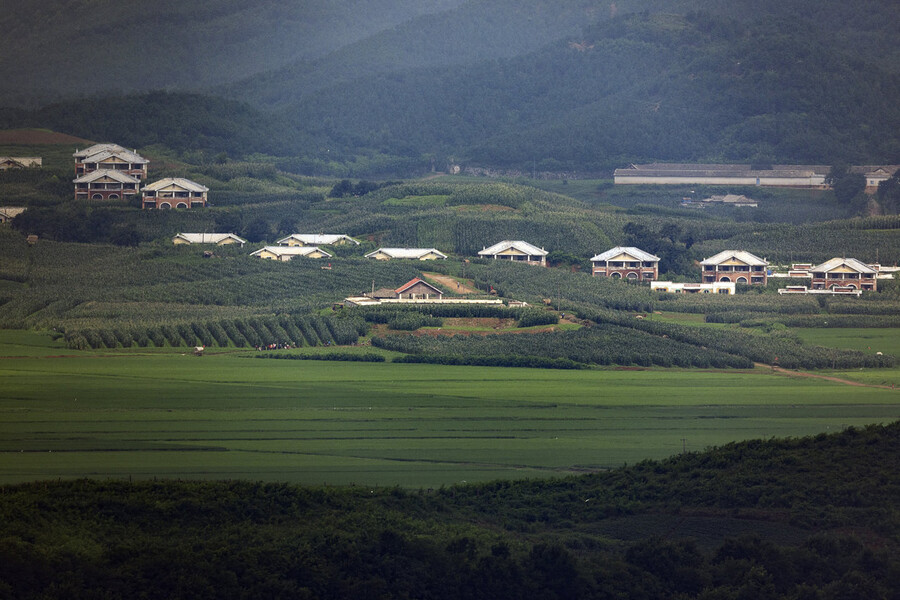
(38, 137)
(789, 373)
(458, 287)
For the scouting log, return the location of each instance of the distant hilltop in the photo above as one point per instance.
(804, 176)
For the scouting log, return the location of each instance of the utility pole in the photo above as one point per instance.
(683, 445)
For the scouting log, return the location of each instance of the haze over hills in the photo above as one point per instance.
(561, 86)
(59, 48)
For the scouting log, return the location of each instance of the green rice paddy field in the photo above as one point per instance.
(89, 414)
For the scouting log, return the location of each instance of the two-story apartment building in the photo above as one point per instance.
(626, 262)
(735, 266)
(106, 185)
(174, 192)
(846, 273)
(112, 157)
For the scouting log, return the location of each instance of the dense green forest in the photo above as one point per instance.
(524, 88)
(779, 519)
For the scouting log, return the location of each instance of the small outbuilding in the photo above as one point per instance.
(317, 239)
(418, 289)
(286, 253)
(407, 253)
(217, 239)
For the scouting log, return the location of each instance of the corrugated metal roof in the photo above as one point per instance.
(112, 174)
(315, 239)
(290, 251)
(185, 184)
(741, 255)
(125, 155)
(630, 250)
(406, 252)
(519, 245)
(852, 263)
(208, 238)
(96, 148)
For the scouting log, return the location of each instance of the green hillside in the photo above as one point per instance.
(554, 88)
(60, 48)
(778, 519)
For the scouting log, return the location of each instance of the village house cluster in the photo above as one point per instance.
(111, 172)
(719, 274)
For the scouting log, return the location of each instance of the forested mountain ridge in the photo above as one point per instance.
(60, 48)
(778, 519)
(556, 87)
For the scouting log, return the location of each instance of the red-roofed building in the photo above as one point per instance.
(418, 289)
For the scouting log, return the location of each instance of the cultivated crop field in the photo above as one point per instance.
(67, 413)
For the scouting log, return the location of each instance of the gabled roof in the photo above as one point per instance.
(185, 184)
(290, 251)
(101, 173)
(852, 263)
(126, 156)
(406, 252)
(208, 238)
(97, 148)
(413, 282)
(316, 239)
(10, 212)
(523, 247)
(741, 255)
(629, 250)
(11, 160)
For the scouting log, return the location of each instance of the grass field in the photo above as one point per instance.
(71, 414)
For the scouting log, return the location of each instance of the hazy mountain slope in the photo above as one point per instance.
(65, 47)
(477, 30)
(639, 86)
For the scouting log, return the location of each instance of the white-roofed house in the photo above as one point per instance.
(516, 251)
(407, 253)
(317, 239)
(112, 157)
(174, 192)
(286, 253)
(218, 239)
(736, 266)
(19, 162)
(106, 185)
(626, 262)
(847, 273)
(8, 213)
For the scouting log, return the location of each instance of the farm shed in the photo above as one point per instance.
(317, 239)
(407, 253)
(286, 253)
(218, 239)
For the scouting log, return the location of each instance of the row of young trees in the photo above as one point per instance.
(284, 330)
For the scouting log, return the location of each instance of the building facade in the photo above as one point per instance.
(735, 266)
(847, 273)
(516, 251)
(106, 185)
(626, 262)
(174, 192)
(110, 157)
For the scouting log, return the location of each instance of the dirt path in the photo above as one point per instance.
(789, 373)
(457, 287)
